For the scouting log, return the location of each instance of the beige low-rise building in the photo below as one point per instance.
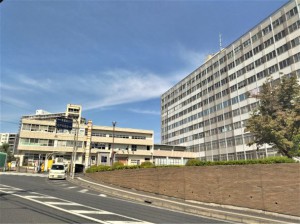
(41, 140)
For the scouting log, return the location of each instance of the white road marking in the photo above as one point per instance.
(37, 196)
(125, 222)
(80, 213)
(83, 190)
(102, 195)
(92, 212)
(25, 174)
(71, 187)
(60, 203)
(11, 188)
(10, 192)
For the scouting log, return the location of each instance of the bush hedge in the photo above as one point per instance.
(191, 162)
(147, 165)
(269, 160)
(117, 165)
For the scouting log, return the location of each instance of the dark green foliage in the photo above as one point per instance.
(147, 165)
(118, 165)
(277, 119)
(194, 162)
(121, 166)
(269, 160)
(5, 148)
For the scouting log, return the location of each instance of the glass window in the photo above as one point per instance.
(26, 127)
(231, 156)
(240, 155)
(103, 159)
(239, 140)
(34, 127)
(133, 147)
(51, 129)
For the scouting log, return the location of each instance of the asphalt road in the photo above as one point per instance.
(35, 199)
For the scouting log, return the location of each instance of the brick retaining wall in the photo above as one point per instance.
(268, 187)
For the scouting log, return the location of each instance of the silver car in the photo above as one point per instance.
(57, 171)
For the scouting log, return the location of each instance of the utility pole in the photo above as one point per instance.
(73, 160)
(112, 145)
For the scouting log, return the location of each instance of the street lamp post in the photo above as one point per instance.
(112, 145)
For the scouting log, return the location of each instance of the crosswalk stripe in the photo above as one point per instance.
(83, 190)
(62, 205)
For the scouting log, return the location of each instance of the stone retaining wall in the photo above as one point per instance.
(268, 187)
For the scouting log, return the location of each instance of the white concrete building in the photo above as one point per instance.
(10, 139)
(207, 111)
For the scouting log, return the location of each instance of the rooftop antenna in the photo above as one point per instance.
(220, 41)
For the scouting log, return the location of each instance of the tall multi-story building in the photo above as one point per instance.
(10, 139)
(207, 111)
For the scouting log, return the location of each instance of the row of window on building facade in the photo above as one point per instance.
(293, 59)
(210, 110)
(211, 121)
(260, 153)
(102, 134)
(272, 69)
(48, 128)
(218, 119)
(280, 50)
(70, 144)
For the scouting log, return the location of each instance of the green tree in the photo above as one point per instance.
(276, 121)
(5, 148)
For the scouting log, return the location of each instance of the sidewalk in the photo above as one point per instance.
(229, 213)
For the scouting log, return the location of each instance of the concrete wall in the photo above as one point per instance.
(268, 187)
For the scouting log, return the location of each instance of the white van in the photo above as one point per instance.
(57, 171)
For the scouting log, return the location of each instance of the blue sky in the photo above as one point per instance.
(115, 58)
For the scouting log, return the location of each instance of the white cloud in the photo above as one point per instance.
(101, 89)
(123, 86)
(153, 112)
(36, 83)
(192, 58)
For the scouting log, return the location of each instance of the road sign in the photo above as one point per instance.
(64, 123)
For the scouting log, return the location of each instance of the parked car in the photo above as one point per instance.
(57, 171)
